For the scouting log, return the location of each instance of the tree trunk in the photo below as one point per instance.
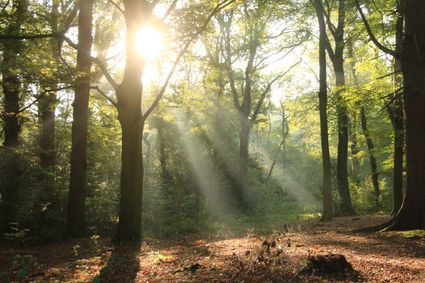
(129, 95)
(412, 212)
(346, 207)
(75, 222)
(243, 159)
(372, 158)
(46, 113)
(11, 90)
(130, 207)
(397, 116)
(324, 133)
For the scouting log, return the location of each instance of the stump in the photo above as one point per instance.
(330, 263)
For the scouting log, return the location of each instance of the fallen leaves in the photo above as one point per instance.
(378, 257)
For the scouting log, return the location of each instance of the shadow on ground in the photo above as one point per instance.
(123, 265)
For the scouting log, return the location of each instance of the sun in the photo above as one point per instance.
(149, 42)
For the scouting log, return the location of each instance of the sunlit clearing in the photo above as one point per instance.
(149, 42)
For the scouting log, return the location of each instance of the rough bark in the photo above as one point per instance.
(11, 86)
(75, 222)
(412, 212)
(323, 102)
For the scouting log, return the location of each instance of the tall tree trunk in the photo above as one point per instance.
(337, 58)
(75, 222)
(129, 95)
(372, 158)
(46, 113)
(412, 212)
(346, 207)
(397, 116)
(11, 90)
(323, 105)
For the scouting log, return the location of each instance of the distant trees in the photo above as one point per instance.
(249, 91)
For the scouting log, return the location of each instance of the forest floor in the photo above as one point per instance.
(274, 257)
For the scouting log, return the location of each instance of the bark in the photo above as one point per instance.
(129, 95)
(346, 207)
(397, 117)
(11, 86)
(412, 212)
(337, 58)
(75, 222)
(324, 132)
(372, 158)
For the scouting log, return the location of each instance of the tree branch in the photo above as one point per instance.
(370, 33)
(101, 92)
(98, 62)
(160, 94)
(266, 90)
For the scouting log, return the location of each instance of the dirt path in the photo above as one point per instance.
(278, 257)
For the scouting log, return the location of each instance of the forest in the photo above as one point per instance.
(212, 141)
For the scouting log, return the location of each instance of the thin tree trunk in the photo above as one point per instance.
(368, 138)
(412, 212)
(11, 90)
(75, 222)
(324, 132)
(372, 158)
(243, 159)
(46, 113)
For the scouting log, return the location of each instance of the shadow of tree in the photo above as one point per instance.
(123, 265)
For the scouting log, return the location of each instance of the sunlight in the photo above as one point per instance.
(149, 42)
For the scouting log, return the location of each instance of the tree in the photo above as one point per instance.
(12, 88)
(336, 54)
(248, 90)
(323, 101)
(412, 212)
(129, 101)
(395, 100)
(75, 222)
